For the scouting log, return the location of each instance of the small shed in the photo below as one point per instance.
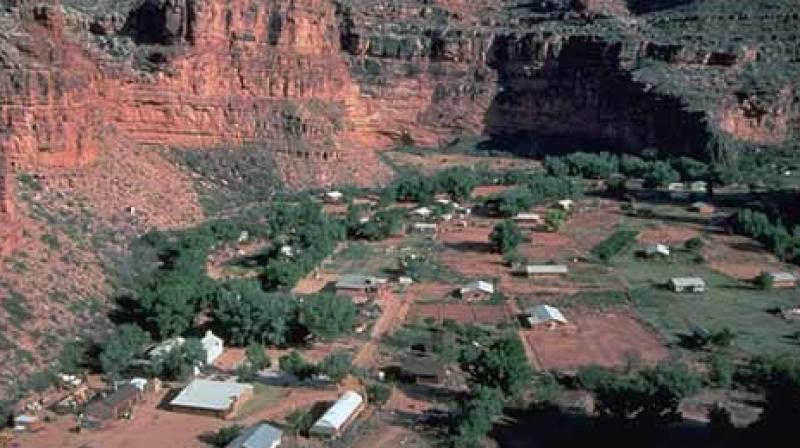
(216, 398)
(262, 435)
(533, 270)
(545, 315)
(566, 204)
(424, 228)
(336, 419)
(422, 368)
(333, 197)
(477, 290)
(687, 284)
(779, 279)
(656, 250)
(528, 219)
(675, 186)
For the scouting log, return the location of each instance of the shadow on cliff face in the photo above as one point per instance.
(160, 22)
(576, 95)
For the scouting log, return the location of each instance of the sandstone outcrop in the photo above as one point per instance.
(323, 83)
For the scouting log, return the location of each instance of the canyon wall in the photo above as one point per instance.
(323, 83)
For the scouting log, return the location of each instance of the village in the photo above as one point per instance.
(581, 280)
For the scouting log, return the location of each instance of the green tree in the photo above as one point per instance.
(250, 315)
(336, 365)
(661, 174)
(505, 236)
(225, 436)
(327, 316)
(721, 370)
(294, 363)
(178, 363)
(257, 357)
(378, 393)
(474, 417)
(72, 358)
(555, 218)
(299, 422)
(503, 366)
(120, 350)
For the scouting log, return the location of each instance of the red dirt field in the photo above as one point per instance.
(740, 257)
(667, 235)
(463, 313)
(608, 340)
(489, 190)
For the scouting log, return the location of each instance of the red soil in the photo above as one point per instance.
(605, 339)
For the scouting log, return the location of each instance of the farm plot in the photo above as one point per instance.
(740, 257)
(610, 340)
(728, 303)
(463, 313)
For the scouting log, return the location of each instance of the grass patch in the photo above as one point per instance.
(263, 396)
(599, 300)
(728, 303)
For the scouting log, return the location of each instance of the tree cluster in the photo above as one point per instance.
(536, 189)
(779, 240)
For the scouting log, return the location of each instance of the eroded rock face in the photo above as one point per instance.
(321, 83)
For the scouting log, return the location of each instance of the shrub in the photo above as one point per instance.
(614, 244)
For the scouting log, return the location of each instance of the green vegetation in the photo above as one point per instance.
(295, 364)
(224, 436)
(783, 243)
(505, 237)
(178, 363)
(615, 244)
(327, 316)
(336, 365)
(535, 189)
(231, 177)
(124, 346)
(17, 309)
(378, 393)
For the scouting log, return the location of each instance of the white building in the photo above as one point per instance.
(217, 398)
(652, 250)
(687, 284)
(477, 290)
(422, 212)
(566, 204)
(338, 416)
(545, 314)
(531, 270)
(333, 196)
(213, 346)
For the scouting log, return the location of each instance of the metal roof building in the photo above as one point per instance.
(540, 269)
(359, 282)
(541, 314)
(339, 415)
(258, 436)
(215, 397)
(687, 284)
(478, 286)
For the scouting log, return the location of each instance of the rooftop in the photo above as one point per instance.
(211, 395)
(688, 281)
(338, 414)
(353, 281)
(545, 313)
(258, 436)
(542, 269)
(782, 276)
(478, 285)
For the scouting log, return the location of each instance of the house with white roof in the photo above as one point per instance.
(422, 212)
(545, 315)
(566, 204)
(779, 279)
(656, 250)
(336, 419)
(532, 270)
(333, 196)
(217, 398)
(477, 290)
(687, 284)
(262, 435)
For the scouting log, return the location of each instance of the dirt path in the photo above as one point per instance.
(394, 314)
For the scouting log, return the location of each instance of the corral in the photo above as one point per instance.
(463, 313)
(610, 340)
